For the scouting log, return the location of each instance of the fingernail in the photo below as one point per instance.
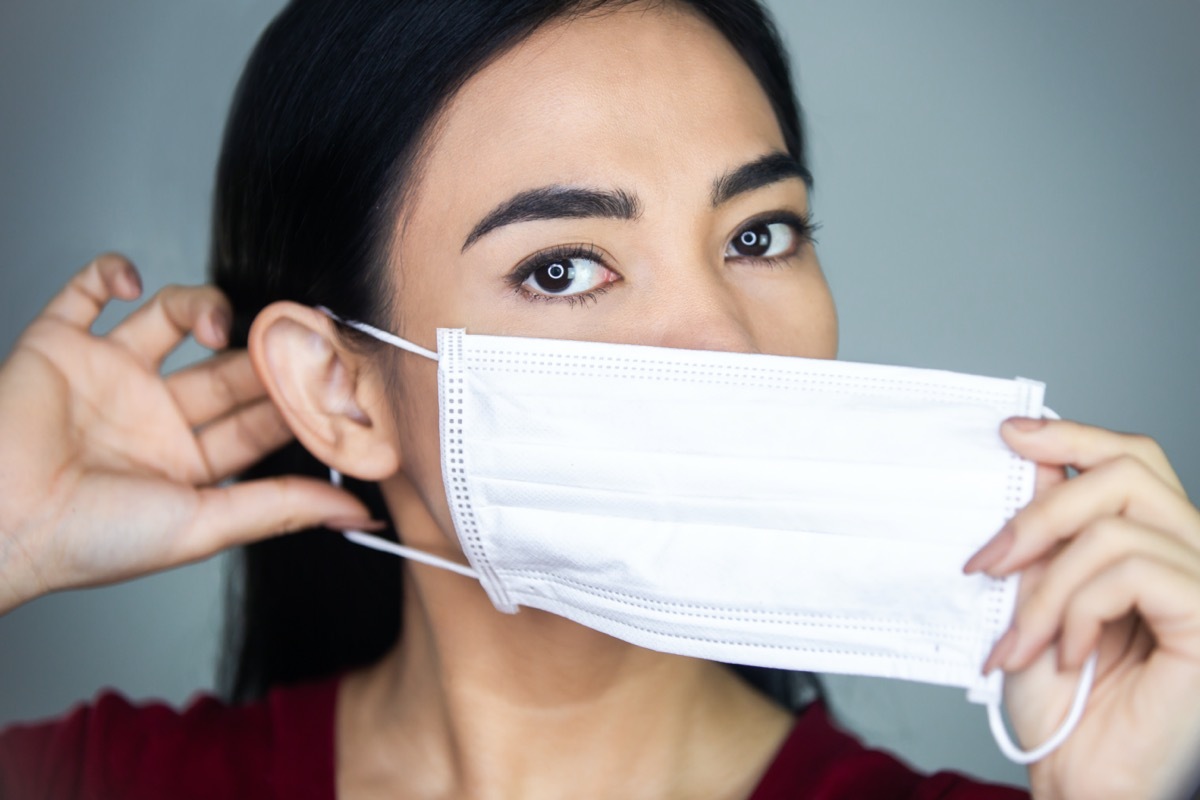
(1001, 651)
(133, 280)
(344, 524)
(221, 322)
(991, 553)
(1025, 424)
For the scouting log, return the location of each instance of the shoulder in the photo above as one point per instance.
(113, 747)
(820, 760)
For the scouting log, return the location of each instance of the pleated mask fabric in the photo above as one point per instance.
(751, 509)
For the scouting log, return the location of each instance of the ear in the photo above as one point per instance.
(332, 398)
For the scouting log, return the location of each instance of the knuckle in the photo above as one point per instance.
(1076, 627)
(90, 269)
(285, 490)
(1047, 599)
(223, 389)
(102, 271)
(170, 292)
(91, 275)
(1079, 616)
(291, 519)
(273, 431)
(160, 299)
(1128, 466)
(177, 306)
(1030, 525)
(1132, 569)
(1078, 611)
(1032, 613)
(214, 295)
(109, 261)
(1101, 533)
(1139, 442)
(191, 301)
(1147, 447)
(249, 433)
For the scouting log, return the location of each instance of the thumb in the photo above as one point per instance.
(247, 512)
(1017, 434)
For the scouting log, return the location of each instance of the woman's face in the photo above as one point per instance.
(619, 178)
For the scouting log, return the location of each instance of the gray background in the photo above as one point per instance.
(1006, 188)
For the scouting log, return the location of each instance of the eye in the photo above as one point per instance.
(764, 240)
(569, 274)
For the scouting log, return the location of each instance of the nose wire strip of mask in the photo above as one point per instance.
(383, 336)
(411, 553)
(1018, 756)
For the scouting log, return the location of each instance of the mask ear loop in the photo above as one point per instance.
(1086, 678)
(335, 477)
(411, 553)
(381, 335)
(1018, 756)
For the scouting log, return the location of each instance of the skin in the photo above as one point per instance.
(538, 117)
(477, 703)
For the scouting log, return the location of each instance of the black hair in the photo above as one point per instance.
(325, 129)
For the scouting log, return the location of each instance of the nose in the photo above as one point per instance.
(701, 311)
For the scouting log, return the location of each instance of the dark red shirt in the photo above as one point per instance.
(283, 747)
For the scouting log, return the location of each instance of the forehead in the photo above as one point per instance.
(653, 99)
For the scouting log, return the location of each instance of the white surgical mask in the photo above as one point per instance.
(750, 509)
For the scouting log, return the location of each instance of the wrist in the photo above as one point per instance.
(15, 586)
(20, 579)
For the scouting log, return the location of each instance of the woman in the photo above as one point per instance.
(379, 162)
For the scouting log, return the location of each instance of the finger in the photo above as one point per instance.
(85, 295)
(247, 512)
(1122, 486)
(234, 442)
(1097, 548)
(1163, 594)
(1047, 477)
(1067, 443)
(156, 328)
(215, 387)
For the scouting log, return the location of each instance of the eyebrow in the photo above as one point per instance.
(557, 202)
(762, 171)
(569, 202)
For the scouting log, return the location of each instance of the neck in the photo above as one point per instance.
(476, 703)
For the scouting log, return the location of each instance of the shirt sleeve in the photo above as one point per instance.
(112, 748)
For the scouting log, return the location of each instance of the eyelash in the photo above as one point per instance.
(518, 276)
(803, 225)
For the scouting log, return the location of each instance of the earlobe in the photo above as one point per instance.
(329, 395)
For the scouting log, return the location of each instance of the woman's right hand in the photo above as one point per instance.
(109, 470)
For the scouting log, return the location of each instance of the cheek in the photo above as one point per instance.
(818, 322)
(416, 412)
(793, 316)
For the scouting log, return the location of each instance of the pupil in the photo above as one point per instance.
(556, 276)
(755, 241)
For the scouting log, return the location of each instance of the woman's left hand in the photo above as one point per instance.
(1110, 560)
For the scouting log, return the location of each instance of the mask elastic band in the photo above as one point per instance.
(411, 553)
(1019, 756)
(383, 336)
